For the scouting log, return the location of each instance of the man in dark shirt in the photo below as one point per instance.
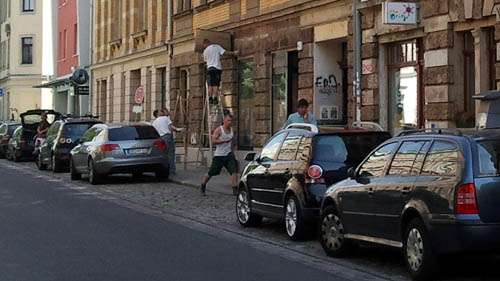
(43, 127)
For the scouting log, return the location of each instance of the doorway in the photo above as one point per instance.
(285, 87)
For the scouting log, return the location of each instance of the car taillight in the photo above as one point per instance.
(160, 145)
(106, 148)
(315, 174)
(466, 203)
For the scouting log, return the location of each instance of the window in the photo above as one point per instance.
(405, 158)
(53, 130)
(116, 15)
(330, 149)
(492, 53)
(133, 133)
(489, 158)
(64, 44)
(75, 130)
(467, 118)
(183, 5)
(28, 5)
(247, 101)
(442, 160)
(288, 150)
(141, 15)
(27, 50)
(375, 164)
(269, 151)
(304, 149)
(75, 39)
(91, 134)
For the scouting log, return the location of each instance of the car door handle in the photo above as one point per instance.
(371, 191)
(405, 191)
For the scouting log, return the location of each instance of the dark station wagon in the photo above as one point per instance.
(290, 176)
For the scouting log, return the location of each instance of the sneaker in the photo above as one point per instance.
(235, 190)
(203, 189)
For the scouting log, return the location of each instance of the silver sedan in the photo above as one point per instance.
(107, 149)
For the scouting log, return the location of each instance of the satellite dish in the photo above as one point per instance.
(80, 77)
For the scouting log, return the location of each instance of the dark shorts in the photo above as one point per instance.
(229, 162)
(214, 77)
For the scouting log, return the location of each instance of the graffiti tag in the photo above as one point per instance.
(327, 86)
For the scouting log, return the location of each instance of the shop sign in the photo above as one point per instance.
(1, 92)
(82, 90)
(139, 95)
(401, 13)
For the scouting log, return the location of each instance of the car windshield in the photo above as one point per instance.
(36, 118)
(133, 133)
(489, 157)
(348, 148)
(76, 130)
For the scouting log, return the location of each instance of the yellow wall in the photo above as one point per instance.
(211, 16)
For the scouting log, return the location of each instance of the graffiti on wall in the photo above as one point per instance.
(327, 85)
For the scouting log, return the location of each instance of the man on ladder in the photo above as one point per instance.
(211, 55)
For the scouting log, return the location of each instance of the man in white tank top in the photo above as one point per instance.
(224, 157)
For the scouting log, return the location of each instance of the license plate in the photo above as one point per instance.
(138, 151)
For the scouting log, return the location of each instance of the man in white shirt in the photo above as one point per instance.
(163, 124)
(211, 55)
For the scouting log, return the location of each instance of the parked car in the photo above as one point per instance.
(6, 132)
(22, 144)
(62, 137)
(290, 176)
(119, 148)
(427, 193)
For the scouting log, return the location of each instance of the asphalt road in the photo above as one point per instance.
(50, 232)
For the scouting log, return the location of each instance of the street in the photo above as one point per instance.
(53, 229)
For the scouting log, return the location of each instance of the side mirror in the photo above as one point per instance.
(250, 157)
(351, 173)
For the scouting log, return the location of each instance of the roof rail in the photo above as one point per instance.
(438, 131)
(303, 126)
(369, 125)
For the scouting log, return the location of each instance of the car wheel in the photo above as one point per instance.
(56, 165)
(39, 163)
(72, 170)
(94, 177)
(332, 235)
(419, 257)
(243, 210)
(294, 222)
(162, 175)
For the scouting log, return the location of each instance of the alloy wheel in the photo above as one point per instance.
(291, 217)
(332, 232)
(415, 249)
(243, 208)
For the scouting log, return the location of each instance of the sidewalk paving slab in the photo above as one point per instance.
(193, 176)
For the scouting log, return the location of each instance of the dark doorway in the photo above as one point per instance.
(285, 87)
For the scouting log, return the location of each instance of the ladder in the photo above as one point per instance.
(211, 119)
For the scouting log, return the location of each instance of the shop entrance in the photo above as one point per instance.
(405, 100)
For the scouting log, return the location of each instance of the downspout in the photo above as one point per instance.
(91, 54)
(170, 47)
(357, 61)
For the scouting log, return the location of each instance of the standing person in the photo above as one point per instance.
(163, 124)
(41, 131)
(211, 56)
(224, 157)
(302, 115)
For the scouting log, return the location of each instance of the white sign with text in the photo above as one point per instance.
(402, 13)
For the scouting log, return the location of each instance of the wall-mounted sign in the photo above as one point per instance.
(402, 13)
(137, 109)
(139, 95)
(81, 90)
(80, 77)
(1, 92)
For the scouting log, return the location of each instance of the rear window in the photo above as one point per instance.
(350, 149)
(133, 133)
(11, 129)
(489, 157)
(75, 131)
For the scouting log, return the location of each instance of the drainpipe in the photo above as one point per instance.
(356, 14)
(91, 53)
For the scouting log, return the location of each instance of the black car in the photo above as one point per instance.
(62, 137)
(429, 193)
(22, 144)
(290, 176)
(6, 132)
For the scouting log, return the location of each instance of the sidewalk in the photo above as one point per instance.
(193, 175)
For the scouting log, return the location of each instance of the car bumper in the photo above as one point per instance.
(466, 237)
(117, 166)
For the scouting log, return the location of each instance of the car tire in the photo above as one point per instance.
(94, 177)
(295, 227)
(56, 165)
(244, 213)
(72, 170)
(39, 163)
(162, 175)
(331, 235)
(420, 259)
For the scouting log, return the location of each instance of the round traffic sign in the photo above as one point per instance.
(139, 95)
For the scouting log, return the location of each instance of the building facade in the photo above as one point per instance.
(129, 52)
(25, 56)
(72, 52)
(288, 50)
(426, 74)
